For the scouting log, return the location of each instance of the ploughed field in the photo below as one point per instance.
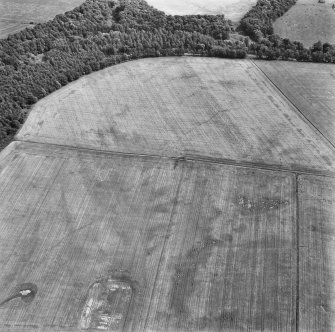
(176, 194)
(193, 107)
(310, 87)
(16, 15)
(232, 9)
(308, 21)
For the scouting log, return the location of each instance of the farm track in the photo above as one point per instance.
(195, 158)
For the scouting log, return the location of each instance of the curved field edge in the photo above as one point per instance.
(95, 35)
(204, 107)
(98, 34)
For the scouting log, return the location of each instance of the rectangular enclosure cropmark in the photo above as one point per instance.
(106, 305)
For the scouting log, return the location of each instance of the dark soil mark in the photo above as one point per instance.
(183, 283)
(240, 229)
(26, 292)
(224, 319)
(264, 205)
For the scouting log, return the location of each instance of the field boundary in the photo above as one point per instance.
(295, 107)
(297, 281)
(192, 158)
(166, 237)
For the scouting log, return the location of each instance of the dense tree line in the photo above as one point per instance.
(258, 25)
(97, 34)
(273, 48)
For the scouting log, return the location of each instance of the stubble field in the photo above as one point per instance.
(203, 246)
(308, 21)
(232, 9)
(210, 108)
(111, 229)
(15, 15)
(310, 87)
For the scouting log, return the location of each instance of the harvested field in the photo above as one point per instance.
(15, 15)
(232, 9)
(203, 107)
(10, 27)
(229, 264)
(69, 219)
(196, 246)
(310, 87)
(172, 195)
(308, 21)
(317, 243)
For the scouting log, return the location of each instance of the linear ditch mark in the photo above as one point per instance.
(297, 291)
(193, 158)
(294, 106)
(165, 243)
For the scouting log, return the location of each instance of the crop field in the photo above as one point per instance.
(15, 15)
(232, 9)
(203, 107)
(201, 246)
(317, 242)
(310, 87)
(10, 27)
(172, 194)
(308, 21)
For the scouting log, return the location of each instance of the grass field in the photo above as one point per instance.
(310, 87)
(202, 246)
(189, 106)
(17, 14)
(308, 21)
(232, 9)
(10, 27)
